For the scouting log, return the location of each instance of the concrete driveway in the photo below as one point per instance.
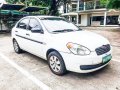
(28, 72)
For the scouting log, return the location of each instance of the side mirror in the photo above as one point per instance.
(37, 30)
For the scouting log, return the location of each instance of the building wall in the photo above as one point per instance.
(98, 14)
(111, 18)
(102, 16)
(96, 23)
(83, 20)
(2, 1)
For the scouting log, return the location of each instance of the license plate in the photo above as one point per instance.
(106, 58)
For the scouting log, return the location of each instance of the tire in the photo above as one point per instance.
(17, 49)
(56, 63)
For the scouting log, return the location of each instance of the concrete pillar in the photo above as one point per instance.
(67, 8)
(94, 4)
(84, 6)
(78, 3)
(105, 16)
(77, 19)
(69, 18)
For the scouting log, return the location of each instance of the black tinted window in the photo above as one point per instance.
(23, 23)
(34, 25)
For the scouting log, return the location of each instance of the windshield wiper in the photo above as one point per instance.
(65, 30)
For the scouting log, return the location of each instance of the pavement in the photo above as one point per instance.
(28, 72)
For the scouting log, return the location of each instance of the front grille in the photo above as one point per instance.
(103, 49)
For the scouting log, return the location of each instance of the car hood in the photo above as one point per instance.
(88, 39)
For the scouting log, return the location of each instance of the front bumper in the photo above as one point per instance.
(84, 64)
(90, 67)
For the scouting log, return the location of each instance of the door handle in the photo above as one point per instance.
(27, 34)
(16, 31)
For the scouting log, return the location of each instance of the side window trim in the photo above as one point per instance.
(38, 24)
(27, 23)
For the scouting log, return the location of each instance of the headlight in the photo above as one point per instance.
(78, 49)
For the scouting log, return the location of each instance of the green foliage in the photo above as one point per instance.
(53, 5)
(114, 4)
(12, 1)
(31, 2)
(111, 4)
(104, 2)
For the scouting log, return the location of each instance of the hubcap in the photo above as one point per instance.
(55, 63)
(15, 46)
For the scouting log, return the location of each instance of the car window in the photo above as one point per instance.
(59, 25)
(23, 23)
(34, 25)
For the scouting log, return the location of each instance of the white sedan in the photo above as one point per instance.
(64, 45)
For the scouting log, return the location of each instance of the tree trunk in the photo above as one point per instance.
(53, 9)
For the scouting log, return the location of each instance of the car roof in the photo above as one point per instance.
(43, 16)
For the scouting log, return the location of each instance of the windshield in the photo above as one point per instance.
(59, 25)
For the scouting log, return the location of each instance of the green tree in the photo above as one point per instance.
(104, 1)
(12, 1)
(111, 4)
(114, 4)
(53, 5)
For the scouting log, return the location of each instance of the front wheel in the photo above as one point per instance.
(56, 63)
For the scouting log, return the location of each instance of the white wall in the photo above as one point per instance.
(98, 14)
(83, 20)
(61, 9)
(2, 1)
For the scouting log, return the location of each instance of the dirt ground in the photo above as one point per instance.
(107, 78)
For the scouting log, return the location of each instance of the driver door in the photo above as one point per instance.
(36, 37)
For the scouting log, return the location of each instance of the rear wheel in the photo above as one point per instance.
(56, 63)
(16, 47)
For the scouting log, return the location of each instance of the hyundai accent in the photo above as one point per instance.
(65, 46)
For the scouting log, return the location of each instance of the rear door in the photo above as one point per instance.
(20, 33)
